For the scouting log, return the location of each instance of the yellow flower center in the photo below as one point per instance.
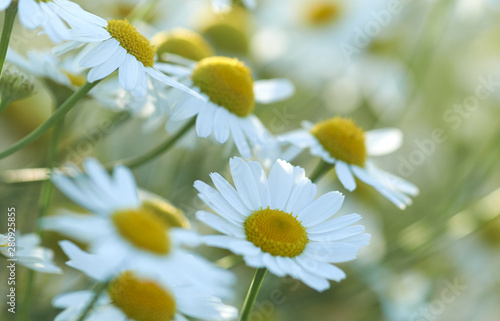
(342, 139)
(323, 12)
(169, 214)
(228, 32)
(276, 232)
(141, 300)
(182, 42)
(131, 40)
(227, 82)
(75, 80)
(143, 229)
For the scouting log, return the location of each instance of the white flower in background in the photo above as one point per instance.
(275, 222)
(54, 17)
(305, 39)
(341, 142)
(45, 64)
(231, 94)
(129, 231)
(133, 295)
(28, 253)
(225, 5)
(119, 46)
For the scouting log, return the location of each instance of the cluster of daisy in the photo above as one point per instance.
(140, 249)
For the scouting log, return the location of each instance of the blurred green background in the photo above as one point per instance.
(431, 70)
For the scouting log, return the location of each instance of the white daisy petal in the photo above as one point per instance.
(345, 176)
(245, 183)
(321, 209)
(337, 235)
(221, 125)
(273, 90)
(205, 121)
(217, 202)
(281, 183)
(334, 224)
(271, 264)
(108, 67)
(239, 139)
(383, 141)
(229, 193)
(219, 224)
(100, 54)
(261, 181)
(321, 269)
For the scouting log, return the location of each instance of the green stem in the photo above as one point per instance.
(54, 119)
(320, 170)
(157, 151)
(27, 297)
(4, 103)
(8, 24)
(98, 291)
(141, 10)
(252, 293)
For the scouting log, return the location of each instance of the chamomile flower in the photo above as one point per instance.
(28, 252)
(132, 295)
(119, 46)
(225, 5)
(46, 65)
(341, 142)
(54, 16)
(181, 42)
(129, 230)
(275, 222)
(230, 93)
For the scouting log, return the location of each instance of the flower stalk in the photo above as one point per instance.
(253, 291)
(8, 25)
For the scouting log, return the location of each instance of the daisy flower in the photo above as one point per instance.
(29, 253)
(119, 46)
(54, 16)
(134, 233)
(181, 42)
(45, 64)
(341, 142)
(275, 222)
(137, 296)
(230, 95)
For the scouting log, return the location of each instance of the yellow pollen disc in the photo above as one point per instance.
(228, 32)
(141, 300)
(276, 232)
(323, 12)
(182, 42)
(75, 80)
(143, 229)
(171, 215)
(227, 82)
(342, 139)
(131, 40)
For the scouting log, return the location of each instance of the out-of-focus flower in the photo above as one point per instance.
(45, 64)
(139, 296)
(54, 16)
(225, 5)
(341, 142)
(129, 231)
(28, 253)
(181, 42)
(231, 94)
(275, 222)
(229, 32)
(118, 45)
(15, 85)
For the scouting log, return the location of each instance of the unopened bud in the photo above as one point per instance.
(15, 84)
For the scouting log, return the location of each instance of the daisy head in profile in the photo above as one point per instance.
(135, 295)
(135, 233)
(340, 142)
(276, 222)
(230, 94)
(27, 251)
(119, 46)
(56, 17)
